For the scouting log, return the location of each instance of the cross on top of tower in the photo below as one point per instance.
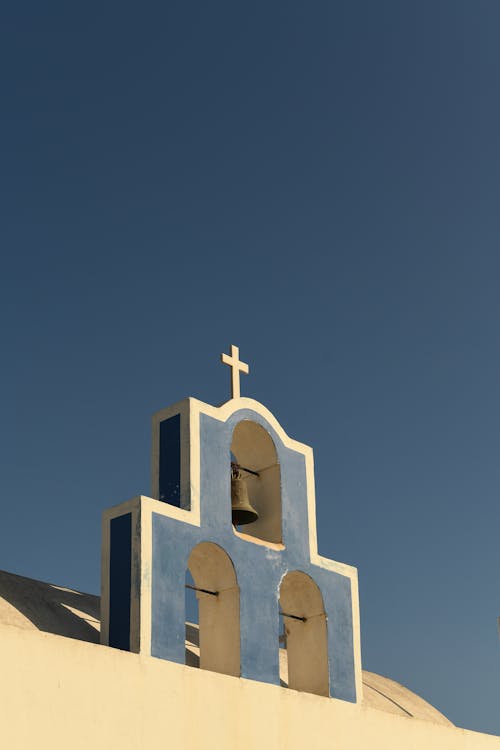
(236, 366)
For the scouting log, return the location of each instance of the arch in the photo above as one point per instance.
(218, 612)
(254, 449)
(305, 625)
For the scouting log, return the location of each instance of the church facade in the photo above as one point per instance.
(277, 643)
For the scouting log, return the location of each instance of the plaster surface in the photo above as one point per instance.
(57, 692)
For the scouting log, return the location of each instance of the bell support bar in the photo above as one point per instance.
(204, 591)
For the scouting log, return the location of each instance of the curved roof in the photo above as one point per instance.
(388, 695)
(31, 604)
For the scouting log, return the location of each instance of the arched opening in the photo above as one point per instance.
(256, 455)
(305, 634)
(218, 596)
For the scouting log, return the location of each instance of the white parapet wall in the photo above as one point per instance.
(63, 694)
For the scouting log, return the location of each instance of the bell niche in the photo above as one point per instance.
(255, 483)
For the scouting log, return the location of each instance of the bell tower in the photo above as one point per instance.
(233, 500)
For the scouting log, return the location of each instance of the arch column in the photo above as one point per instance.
(219, 612)
(306, 634)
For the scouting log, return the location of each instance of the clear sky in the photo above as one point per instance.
(317, 182)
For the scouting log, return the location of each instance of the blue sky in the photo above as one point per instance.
(318, 183)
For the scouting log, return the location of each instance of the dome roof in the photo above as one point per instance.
(31, 604)
(27, 603)
(388, 695)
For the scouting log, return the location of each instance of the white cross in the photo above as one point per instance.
(236, 367)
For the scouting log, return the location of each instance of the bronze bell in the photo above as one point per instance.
(242, 511)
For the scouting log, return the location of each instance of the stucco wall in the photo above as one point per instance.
(60, 693)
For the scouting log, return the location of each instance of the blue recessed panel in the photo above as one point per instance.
(120, 578)
(170, 461)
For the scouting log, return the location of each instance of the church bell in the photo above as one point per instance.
(241, 509)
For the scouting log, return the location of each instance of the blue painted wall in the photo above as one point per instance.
(259, 569)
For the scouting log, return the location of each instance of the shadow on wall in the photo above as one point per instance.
(50, 608)
(192, 645)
